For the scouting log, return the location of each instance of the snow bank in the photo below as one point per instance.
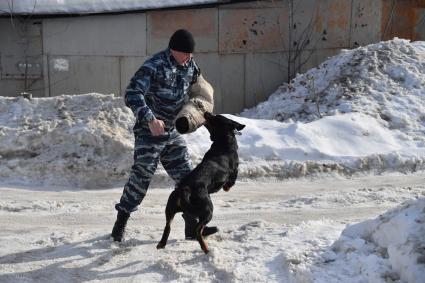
(344, 144)
(372, 119)
(394, 243)
(87, 141)
(390, 248)
(82, 141)
(385, 80)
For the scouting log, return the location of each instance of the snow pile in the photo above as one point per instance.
(389, 248)
(394, 241)
(67, 140)
(344, 144)
(385, 80)
(372, 119)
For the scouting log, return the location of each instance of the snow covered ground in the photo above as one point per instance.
(269, 232)
(330, 189)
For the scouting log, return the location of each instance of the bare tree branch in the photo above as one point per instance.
(298, 42)
(390, 18)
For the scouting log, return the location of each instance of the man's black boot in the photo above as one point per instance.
(119, 227)
(190, 225)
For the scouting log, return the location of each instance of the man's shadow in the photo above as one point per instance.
(61, 261)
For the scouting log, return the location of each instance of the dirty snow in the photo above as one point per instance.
(68, 140)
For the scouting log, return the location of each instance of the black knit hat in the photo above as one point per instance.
(182, 41)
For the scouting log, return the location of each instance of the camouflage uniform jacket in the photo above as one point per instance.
(159, 90)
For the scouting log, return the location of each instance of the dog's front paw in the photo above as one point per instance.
(160, 246)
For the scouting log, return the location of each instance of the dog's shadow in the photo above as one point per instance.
(78, 262)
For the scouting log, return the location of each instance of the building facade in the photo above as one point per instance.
(245, 50)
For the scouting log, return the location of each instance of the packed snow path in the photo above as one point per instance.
(274, 232)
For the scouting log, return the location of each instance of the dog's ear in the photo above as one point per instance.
(238, 126)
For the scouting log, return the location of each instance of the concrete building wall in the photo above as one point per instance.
(242, 48)
(21, 57)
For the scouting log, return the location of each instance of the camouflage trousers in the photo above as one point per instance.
(170, 149)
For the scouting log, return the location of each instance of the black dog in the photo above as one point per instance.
(218, 169)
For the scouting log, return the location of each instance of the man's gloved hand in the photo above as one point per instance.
(156, 127)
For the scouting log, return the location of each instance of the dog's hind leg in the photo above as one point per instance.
(205, 217)
(171, 210)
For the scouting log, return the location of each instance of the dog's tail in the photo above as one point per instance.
(185, 200)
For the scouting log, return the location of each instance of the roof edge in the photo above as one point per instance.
(83, 10)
